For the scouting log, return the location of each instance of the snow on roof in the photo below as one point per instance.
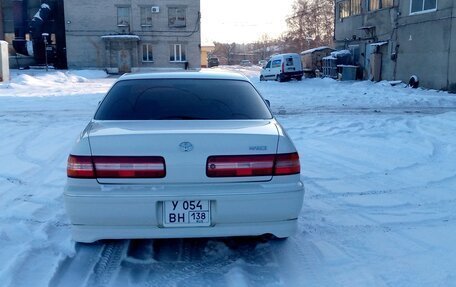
(347, 66)
(121, 37)
(366, 27)
(340, 53)
(310, 51)
(379, 44)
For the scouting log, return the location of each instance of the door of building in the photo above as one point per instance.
(367, 61)
(124, 61)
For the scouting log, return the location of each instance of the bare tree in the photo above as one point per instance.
(225, 52)
(311, 24)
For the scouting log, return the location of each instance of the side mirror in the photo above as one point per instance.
(268, 103)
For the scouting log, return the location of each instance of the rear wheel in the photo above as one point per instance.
(281, 78)
(299, 78)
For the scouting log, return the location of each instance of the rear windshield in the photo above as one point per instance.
(289, 62)
(182, 99)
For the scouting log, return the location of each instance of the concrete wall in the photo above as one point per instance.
(88, 20)
(4, 62)
(348, 32)
(425, 43)
(205, 51)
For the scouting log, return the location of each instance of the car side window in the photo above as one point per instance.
(268, 65)
(276, 63)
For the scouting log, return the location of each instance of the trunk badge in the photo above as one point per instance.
(186, 147)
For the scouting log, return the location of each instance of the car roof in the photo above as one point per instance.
(209, 75)
(285, 55)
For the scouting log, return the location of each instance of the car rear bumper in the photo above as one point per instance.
(293, 74)
(92, 233)
(127, 212)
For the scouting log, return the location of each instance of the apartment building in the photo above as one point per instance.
(117, 35)
(122, 35)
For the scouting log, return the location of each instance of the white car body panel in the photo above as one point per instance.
(162, 138)
(136, 211)
(133, 208)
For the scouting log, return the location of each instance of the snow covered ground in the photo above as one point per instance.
(378, 163)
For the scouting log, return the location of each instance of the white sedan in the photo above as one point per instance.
(178, 155)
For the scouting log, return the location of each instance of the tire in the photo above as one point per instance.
(299, 78)
(414, 82)
(262, 78)
(281, 78)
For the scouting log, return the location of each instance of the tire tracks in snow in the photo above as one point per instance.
(33, 202)
(172, 262)
(108, 265)
(339, 221)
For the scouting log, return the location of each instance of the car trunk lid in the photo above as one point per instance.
(184, 145)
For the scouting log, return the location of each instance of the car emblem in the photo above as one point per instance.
(186, 147)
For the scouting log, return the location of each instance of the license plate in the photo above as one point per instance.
(186, 213)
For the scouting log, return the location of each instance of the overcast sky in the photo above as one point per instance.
(242, 21)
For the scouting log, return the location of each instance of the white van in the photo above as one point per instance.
(283, 67)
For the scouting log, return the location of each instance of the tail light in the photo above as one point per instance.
(253, 165)
(116, 167)
(129, 167)
(80, 167)
(283, 67)
(233, 166)
(287, 164)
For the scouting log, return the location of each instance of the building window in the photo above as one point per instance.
(380, 4)
(177, 17)
(349, 8)
(387, 3)
(123, 16)
(355, 7)
(148, 55)
(177, 53)
(344, 9)
(146, 16)
(418, 6)
(374, 5)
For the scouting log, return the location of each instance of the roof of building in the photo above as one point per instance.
(310, 51)
(214, 75)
